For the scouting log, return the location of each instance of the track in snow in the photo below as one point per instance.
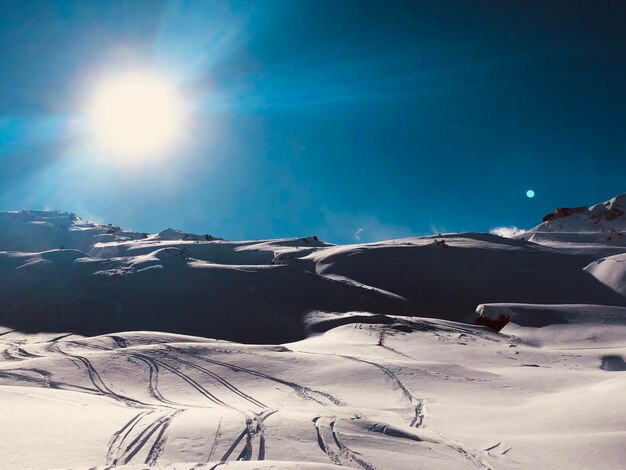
(301, 390)
(122, 452)
(330, 443)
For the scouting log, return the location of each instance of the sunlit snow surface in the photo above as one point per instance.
(352, 383)
(435, 394)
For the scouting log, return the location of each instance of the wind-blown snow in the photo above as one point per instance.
(508, 232)
(370, 358)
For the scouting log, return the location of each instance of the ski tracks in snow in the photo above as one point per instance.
(255, 428)
(328, 440)
(417, 404)
(122, 449)
(143, 438)
(307, 393)
(323, 424)
(127, 443)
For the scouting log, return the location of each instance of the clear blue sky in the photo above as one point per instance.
(324, 117)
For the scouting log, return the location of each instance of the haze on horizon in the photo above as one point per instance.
(352, 120)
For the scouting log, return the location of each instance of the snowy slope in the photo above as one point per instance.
(164, 290)
(450, 281)
(395, 393)
(603, 224)
(260, 291)
(114, 351)
(33, 231)
(611, 271)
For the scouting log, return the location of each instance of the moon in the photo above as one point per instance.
(135, 115)
(530, 194)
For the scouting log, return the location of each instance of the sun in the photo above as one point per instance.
(136, 114)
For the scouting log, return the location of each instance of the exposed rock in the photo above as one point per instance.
(564, 212)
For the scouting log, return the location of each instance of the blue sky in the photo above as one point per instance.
(346, 119)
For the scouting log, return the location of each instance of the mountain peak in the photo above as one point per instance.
(601, 223)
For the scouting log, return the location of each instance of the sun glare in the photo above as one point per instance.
(136, 115)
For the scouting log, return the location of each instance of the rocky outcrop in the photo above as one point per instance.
(563, 212)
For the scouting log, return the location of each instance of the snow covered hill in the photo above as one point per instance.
(386, 392)
(611, 271)
(60, 274)
(34, 231)
(603, 224)
(456, 351)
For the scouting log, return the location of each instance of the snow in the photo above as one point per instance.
(175, 350)
(34, 231)
(436, 394)
(603, 224)
(611, 271)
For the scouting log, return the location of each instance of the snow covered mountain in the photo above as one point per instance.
(603, 224)
(34, 231)
(116, 352)
(60, 273)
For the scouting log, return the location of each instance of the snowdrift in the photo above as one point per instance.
(538, 316)
(559, 326)
(611, 271)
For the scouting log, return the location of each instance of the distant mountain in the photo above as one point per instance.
(34, 231)
(603, 223)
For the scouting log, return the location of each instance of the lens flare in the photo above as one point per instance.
(136, 115)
